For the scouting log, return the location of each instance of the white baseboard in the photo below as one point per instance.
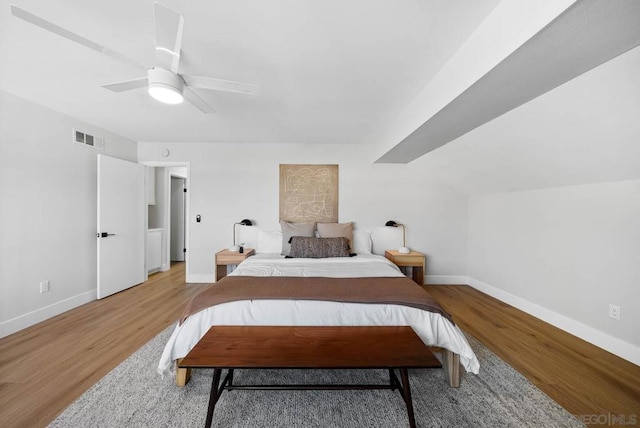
(446, 279)
(195, 279)
(596, 337)
(34, 317)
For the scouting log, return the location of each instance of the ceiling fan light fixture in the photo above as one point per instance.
(165, 86)
(165, 94)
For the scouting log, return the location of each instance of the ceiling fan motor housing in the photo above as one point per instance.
(165, 86)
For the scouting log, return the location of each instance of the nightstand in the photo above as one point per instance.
(413, 259)
(225, 258)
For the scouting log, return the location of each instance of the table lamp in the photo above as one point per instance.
(245, 222)
(404, 249)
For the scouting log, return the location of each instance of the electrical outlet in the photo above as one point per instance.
(614, 312)
(44, 286)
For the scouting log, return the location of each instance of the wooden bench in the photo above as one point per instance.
(249, 347)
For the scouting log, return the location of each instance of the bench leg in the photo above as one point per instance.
(393, 380)
(182, 375)
(213, 397)
(452, 368)
(406, 394)
(230, 376)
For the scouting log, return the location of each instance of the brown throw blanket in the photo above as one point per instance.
(380, 290)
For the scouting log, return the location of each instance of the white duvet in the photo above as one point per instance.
(432, 328)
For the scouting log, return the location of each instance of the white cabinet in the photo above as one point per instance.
(154, 250)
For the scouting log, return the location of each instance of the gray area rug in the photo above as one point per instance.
(134, 395)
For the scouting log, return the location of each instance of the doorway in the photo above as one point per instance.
(164, 214)
(177, 242)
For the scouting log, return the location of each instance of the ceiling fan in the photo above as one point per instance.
(162, 80)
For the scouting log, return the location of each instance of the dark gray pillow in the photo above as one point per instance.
(311, 247)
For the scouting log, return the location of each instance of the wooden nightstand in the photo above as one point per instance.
(413, 259)
(225, 258)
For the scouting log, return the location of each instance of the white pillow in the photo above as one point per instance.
(385, 238)
(269, 242)
(361, 242)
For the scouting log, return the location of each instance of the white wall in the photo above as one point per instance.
(229, 182)
(47, 211)
(158, 211)
(564, 254)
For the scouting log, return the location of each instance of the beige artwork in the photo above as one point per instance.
(309, 193)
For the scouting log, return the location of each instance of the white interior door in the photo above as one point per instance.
(121, 226)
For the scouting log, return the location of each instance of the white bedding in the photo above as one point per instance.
(432, 328)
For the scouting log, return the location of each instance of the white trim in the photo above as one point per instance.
(196, 279)
(596, 337)
(446, 279)
(34, 317)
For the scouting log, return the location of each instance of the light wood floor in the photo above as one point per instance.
(582, 378)
(45, 367)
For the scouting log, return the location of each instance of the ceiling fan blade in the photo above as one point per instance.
(169, 28)
(127, 85)
(194, 99)
(221, 85)
(62, 32)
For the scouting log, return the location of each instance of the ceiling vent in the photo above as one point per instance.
(88, 139)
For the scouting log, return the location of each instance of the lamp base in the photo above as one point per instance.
(234, 248)
(404, 250)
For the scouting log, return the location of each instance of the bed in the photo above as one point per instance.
(433, 328)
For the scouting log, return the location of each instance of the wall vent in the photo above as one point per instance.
(88, 139)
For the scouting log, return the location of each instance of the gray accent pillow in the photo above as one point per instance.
(316, 248)
(294, 229)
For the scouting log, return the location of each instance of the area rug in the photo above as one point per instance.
(135, 395)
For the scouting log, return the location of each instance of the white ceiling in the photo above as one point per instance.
(330, 71)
